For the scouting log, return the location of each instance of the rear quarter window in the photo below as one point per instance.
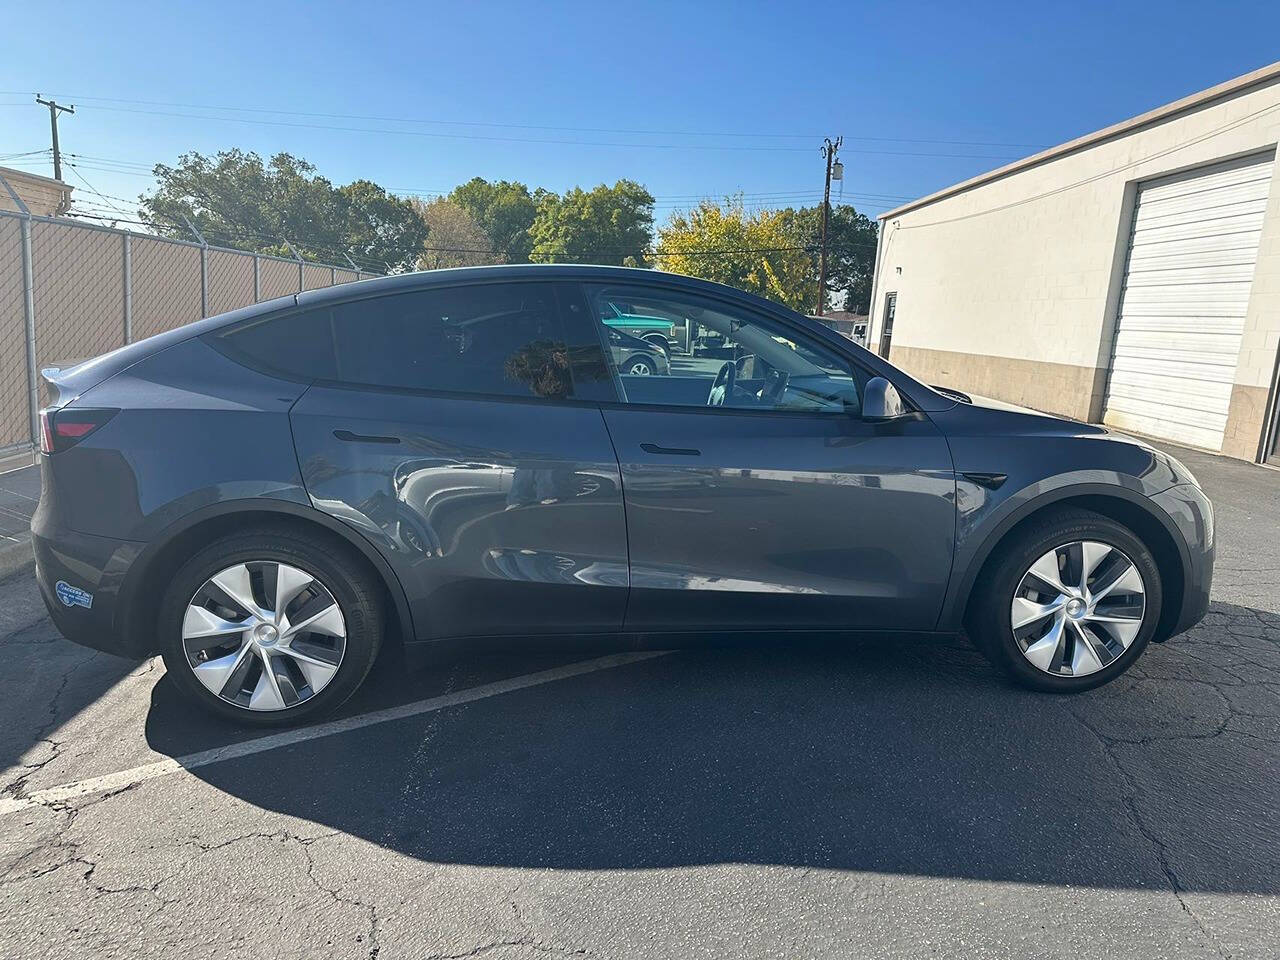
(298, 345)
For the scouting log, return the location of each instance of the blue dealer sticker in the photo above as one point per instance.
(73, 596)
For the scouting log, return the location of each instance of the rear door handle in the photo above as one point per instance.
(363, 437)
(670, 451)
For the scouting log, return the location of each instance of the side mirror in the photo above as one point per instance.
(880, 401)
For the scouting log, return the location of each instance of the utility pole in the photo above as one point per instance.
(829, 151)
(55, 108)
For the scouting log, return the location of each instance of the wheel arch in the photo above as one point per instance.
(1126, 507)
(144, 586)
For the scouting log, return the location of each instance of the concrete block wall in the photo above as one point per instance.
(1010, 288)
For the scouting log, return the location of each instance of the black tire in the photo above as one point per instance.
(640, 360)
(990, 622)
(357, 592)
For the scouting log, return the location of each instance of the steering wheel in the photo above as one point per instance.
(722, 386)
(775, 386)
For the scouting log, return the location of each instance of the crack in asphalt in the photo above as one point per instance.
(16, 787)
(506, 944)
(1249, 640)
(1158, 846)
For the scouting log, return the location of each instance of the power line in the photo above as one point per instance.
(29, 153)
(536, 140)
(530, 126)
(92, 188)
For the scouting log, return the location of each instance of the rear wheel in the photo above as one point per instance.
(1070, 603)
(270, 628)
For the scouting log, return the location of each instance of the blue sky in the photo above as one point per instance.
(430, 95)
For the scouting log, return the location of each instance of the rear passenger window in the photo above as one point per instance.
(496, 339)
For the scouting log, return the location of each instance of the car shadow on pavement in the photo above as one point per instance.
(904, 757)
(51, 691)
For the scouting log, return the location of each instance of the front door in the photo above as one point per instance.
(756, 496)
(459, 435)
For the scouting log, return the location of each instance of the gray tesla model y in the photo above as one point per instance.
(461, 457)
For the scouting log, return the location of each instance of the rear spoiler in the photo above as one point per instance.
(58, 388)
(63, 383)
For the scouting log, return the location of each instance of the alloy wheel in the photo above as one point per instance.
(264, 635)
(639, 368)
(1078, 608)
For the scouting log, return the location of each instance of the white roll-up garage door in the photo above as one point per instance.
(1186, 292)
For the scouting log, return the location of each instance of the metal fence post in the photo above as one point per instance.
(333, 276)
(204, 267)
(28, 313)
(302, 279)
(257, 279)
(128, 289)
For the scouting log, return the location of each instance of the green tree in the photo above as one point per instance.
(504, 210)
(763, 252)
(851, 253)
(235, 199)
(454, 238)
(611, 225)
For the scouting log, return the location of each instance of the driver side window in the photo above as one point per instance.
(675, 349)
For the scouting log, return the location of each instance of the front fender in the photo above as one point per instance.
(984, 518)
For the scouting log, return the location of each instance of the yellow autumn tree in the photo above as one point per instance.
(765, 252)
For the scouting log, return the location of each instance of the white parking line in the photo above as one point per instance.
(162, 768)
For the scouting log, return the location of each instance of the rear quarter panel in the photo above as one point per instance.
(194, 429)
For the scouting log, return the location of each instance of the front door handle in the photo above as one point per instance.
(670, 451)
(363, 437)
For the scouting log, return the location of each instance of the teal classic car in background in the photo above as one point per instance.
(658, 331)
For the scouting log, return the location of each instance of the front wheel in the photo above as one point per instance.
(1069, 604)
(270, 628)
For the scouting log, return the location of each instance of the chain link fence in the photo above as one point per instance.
(70, 291)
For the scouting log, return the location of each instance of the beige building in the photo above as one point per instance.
(44, 196)
(1131, 276)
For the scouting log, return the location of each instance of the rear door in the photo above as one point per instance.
(773, 504)
(457, 430)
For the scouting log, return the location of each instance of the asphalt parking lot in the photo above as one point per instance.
(884, 800)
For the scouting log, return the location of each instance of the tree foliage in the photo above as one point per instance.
(611, 225)
(504, 210)
(454, 238)
(236, 199)
(773, 253)
(851, 253)
(762, 252)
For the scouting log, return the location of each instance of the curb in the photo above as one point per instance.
(16, 558)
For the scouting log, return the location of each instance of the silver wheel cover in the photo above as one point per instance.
(264, 635)
(639, 369)
(1078, 608)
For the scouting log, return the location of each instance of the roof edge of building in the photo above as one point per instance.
(1256, 78)
(27, 175)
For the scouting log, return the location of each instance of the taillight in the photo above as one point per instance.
(67, 426)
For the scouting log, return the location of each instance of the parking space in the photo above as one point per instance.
(19, 494)
(889, 799)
